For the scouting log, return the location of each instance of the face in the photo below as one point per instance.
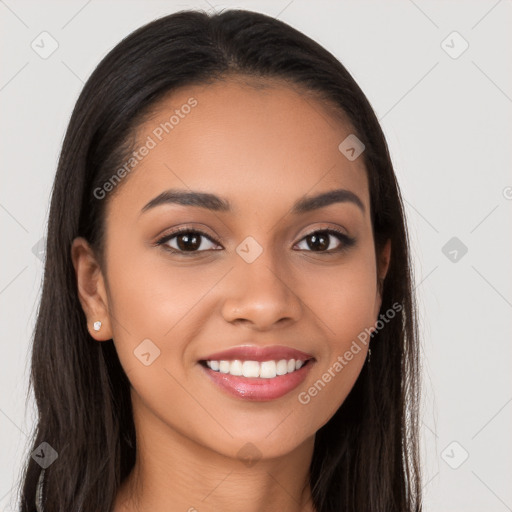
(261, 273)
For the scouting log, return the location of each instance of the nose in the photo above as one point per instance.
(261, 296)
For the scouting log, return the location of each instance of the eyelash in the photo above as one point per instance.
(346, 240)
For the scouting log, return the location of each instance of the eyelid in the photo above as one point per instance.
(339, 230)
(184, 229)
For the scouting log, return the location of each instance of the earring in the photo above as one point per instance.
(369, 354)
(97, 325)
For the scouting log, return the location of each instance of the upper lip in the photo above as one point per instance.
(260, 354)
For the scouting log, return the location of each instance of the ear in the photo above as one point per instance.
(383, 259)
(91, 289)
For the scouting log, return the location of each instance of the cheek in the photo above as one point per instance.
(345, 299)
(344, 309)
(153, 307)
(351, 304)
(152, 298)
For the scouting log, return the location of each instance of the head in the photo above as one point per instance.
(255, 116)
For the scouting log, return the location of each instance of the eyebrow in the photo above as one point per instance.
(220, 204)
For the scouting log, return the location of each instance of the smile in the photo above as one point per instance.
(257, 381)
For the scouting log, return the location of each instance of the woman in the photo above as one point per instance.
(227, 319)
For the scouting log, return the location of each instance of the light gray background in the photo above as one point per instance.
(448, 124)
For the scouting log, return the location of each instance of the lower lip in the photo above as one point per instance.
(258, 389)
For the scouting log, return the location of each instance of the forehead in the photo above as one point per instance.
(262, 142)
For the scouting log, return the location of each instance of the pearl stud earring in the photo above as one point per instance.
(97, 325)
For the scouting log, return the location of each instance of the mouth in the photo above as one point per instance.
(257, 380)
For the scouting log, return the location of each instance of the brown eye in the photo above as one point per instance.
(320, 241)
(187, 241)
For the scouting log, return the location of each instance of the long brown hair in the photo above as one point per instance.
(366, 457)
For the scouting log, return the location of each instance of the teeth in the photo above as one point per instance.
(224, 366)
(236, 368)
(250, 369)
(282, 367)
(267, 369)
(264, 370)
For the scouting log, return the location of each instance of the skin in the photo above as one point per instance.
(262, 148)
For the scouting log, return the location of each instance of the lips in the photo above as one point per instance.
(262, 387)
(260, 354)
